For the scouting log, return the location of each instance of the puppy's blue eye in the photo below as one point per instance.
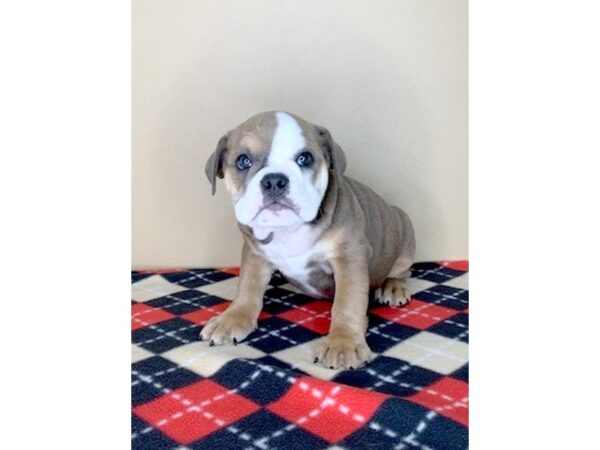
(243, 162)
(305, 159)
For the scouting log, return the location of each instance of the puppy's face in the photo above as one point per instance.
(276, 169)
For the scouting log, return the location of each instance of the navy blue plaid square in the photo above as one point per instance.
(275, 334)
(197, 277)
(167, 335)
(391, 376)
(447, 296)
(153, 377)
(434, 272)
(145, 437)
(261, 430)
(184, 302)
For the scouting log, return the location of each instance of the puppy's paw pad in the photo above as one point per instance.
(392, 292)
(228, 327)
(342, 351)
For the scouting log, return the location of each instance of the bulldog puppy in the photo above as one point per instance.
(331, 236)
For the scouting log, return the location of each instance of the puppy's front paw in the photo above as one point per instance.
(230, 326)
(392, 292)
(343, 350)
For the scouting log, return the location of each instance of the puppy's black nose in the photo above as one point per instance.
(274, 184)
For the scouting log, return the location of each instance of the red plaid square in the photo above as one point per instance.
(143, 315)
(463, 266)
(448, 397)
(203, 315)
(231, 270)
(331, 411)
(417, 314)
(194, 411)
(306, 315)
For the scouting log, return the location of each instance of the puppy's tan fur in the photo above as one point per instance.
(361, 242)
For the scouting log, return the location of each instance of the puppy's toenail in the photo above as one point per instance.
(316, 360)
(212, 343)
(234, 341)
(331, 367)
(351, 367)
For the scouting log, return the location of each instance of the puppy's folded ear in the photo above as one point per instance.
(214, 165)
(333, 152)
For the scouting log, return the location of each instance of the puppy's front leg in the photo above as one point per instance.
(345, 345)
(240, 318)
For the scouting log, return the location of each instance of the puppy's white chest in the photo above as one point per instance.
(290, 251)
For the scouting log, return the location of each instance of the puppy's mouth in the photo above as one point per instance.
(276, 206)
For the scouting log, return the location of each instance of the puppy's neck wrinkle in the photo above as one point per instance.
(266, 240)
(250, 237)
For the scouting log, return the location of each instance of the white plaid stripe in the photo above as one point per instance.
(410, 438)
(164, 333)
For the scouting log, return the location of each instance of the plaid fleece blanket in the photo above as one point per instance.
(266, 392)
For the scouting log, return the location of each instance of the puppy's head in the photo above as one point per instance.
(276, 167)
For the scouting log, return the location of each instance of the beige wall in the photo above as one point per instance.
(387, 78)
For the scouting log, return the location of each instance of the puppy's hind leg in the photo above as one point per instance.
(393, 290)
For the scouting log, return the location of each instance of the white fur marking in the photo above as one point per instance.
(287, 141)
(290, 251)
